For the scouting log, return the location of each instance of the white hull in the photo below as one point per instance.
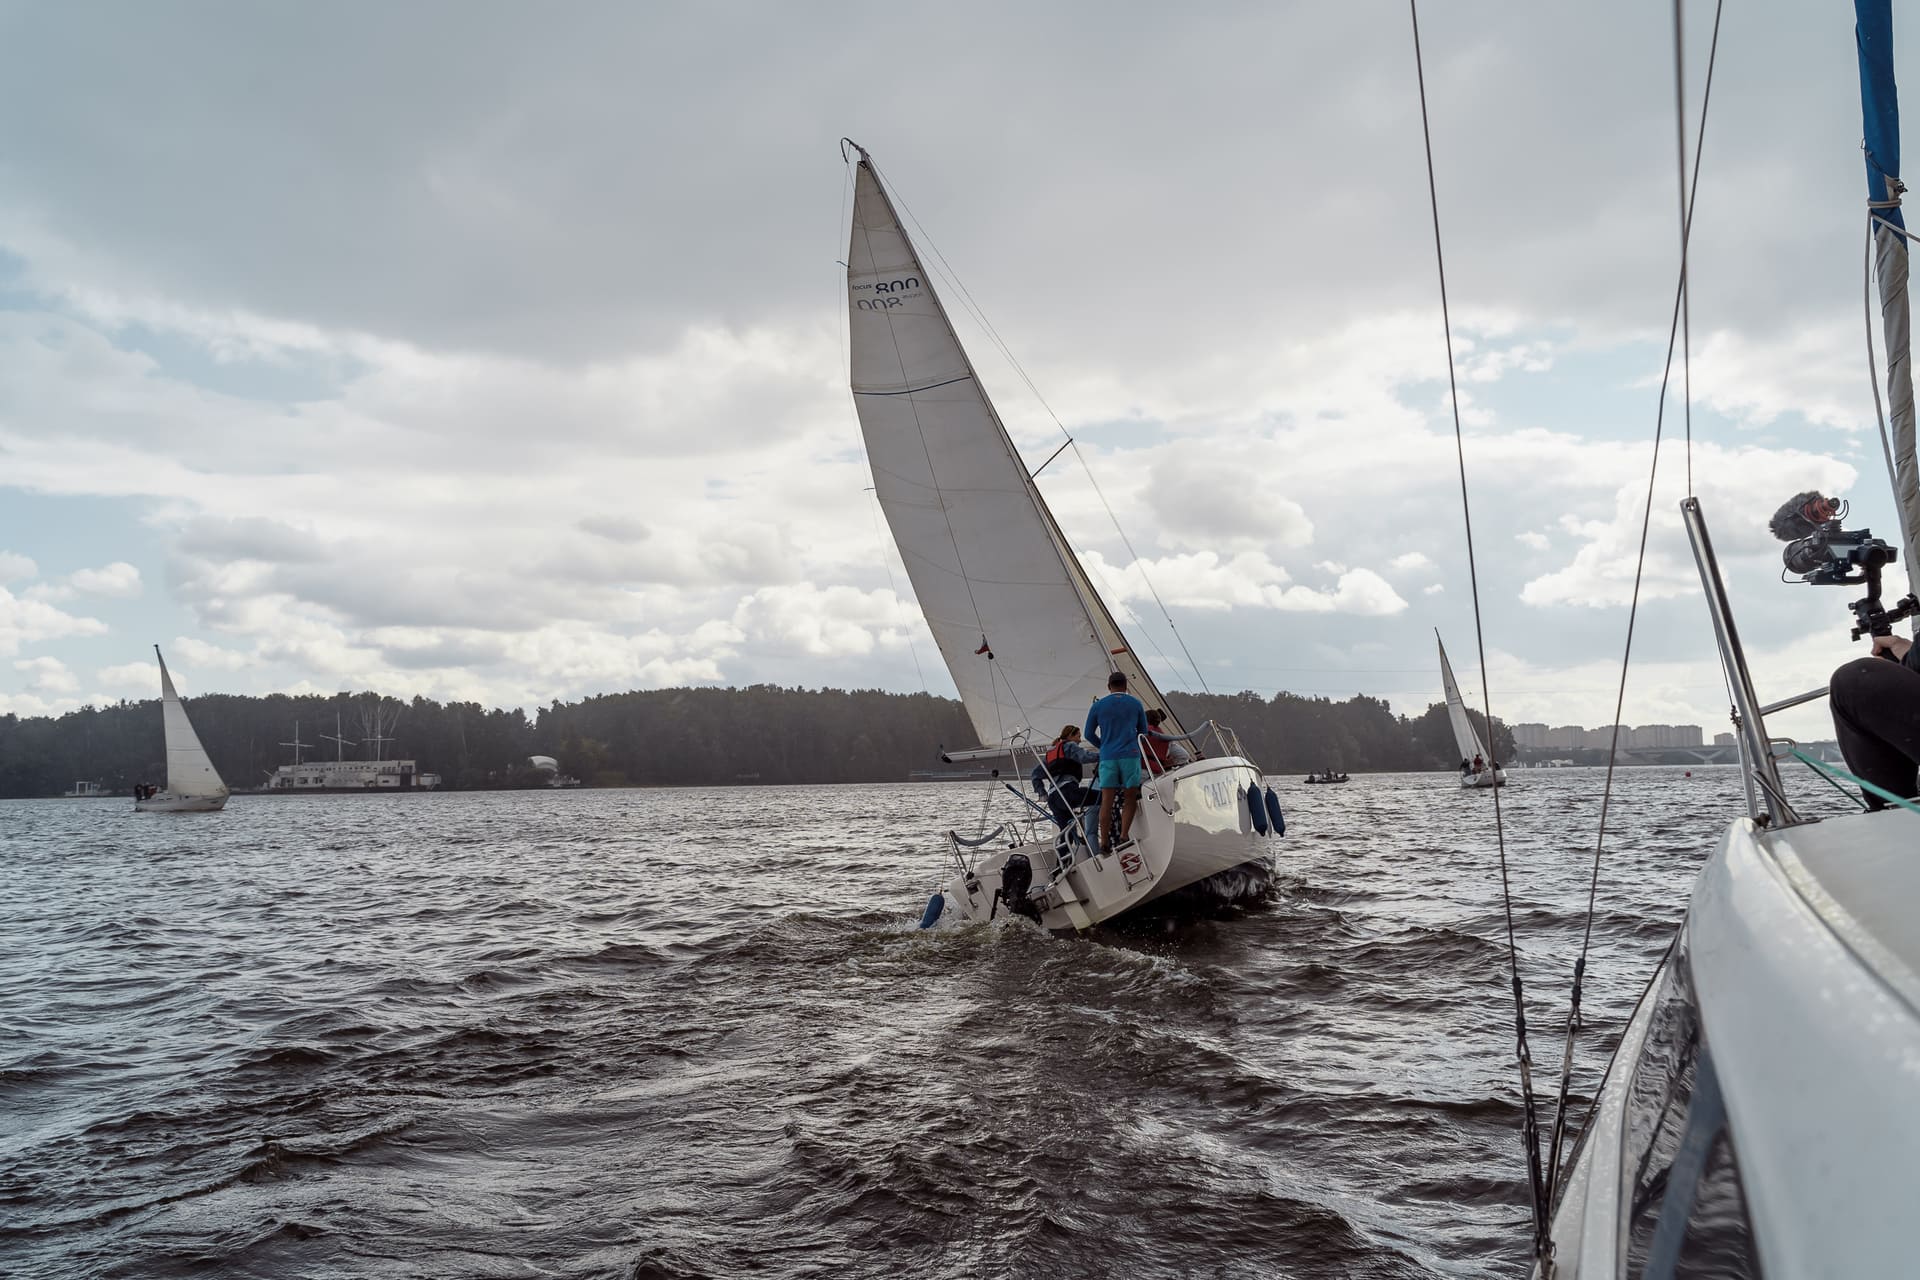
(166, 803)
(1801, 961)
(1486, 778)
(1192, 823)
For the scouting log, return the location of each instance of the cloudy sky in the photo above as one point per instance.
(496, 351)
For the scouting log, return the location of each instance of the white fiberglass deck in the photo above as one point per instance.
(1804, 942)
(1802, 949)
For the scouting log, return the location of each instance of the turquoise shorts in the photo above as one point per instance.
(1122, 774)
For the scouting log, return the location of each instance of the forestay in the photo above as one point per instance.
(1464, 735)
(1026, 636)
(189, 771)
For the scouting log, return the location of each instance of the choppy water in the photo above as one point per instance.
(695, 1033)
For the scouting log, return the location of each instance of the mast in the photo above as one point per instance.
(1024, 633)
(337, 738)
(1880, 115)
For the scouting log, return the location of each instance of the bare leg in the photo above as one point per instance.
(1127, 811)
(1106, 818)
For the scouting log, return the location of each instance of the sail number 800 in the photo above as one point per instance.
(888, 287)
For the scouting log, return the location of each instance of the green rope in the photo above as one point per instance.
(1830, 772)
(1834, 783)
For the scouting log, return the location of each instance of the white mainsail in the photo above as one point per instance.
(189, 771)
(1464, 735)
(1027, 638)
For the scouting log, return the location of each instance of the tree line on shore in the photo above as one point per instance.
(762, 734)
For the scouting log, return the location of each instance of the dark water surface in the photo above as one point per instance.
(695, 1033)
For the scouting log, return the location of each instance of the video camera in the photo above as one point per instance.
(1823, 554)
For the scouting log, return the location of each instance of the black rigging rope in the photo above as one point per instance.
(1686, 202)
(1689, 189)
(1536, 1180)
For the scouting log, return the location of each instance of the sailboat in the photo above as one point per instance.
(1761, 1114)
(1027, 638)
(193, 784)
(1465, 736)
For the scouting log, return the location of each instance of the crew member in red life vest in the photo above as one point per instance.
(1064, 763)
(1163, 752)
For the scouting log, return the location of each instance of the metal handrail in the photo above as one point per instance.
(1749, 717)
(1794, 701)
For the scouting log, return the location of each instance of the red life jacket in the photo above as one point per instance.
(1059, 763)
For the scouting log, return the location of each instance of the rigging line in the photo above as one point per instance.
(1858, 803)
(1633, 609)
(1821, 766)
(1050, 457)
(979, 314)
(1530, 1136)
(1680, 188)
(1133, 615)
(1138, 563)
(1876, 220)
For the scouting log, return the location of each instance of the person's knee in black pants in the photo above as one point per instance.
(1876, 717)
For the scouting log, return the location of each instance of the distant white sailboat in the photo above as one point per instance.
(193, 784)
(1465, 736)
(1028, 640)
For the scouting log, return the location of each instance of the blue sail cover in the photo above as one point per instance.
(1879, 100)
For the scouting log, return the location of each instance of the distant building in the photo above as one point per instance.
(1565, 736)
(1723, 740)
(1571, 737)
(1662, 736)
(1601, 739)
(352, 775)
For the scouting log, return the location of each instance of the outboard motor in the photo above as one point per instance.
(1016, 879)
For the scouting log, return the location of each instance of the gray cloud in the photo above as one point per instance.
(509, 179)
(560, 293)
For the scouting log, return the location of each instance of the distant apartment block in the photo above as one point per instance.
(1568, 737)
(1658, 736)
(1602, 738)
(1723, 740)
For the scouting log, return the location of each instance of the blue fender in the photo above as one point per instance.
(935, 905)
(1257, 810)
(1277, 818)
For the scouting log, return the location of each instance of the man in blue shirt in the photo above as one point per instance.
(1115, 724)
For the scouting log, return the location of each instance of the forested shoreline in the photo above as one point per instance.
(761, 735)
